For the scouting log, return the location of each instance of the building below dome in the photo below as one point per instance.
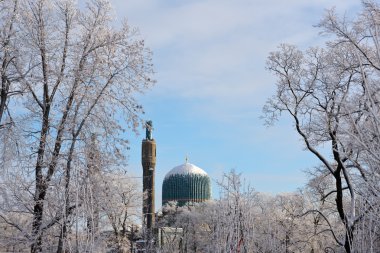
(186, 183)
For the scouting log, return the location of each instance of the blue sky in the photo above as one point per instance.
(209, 59)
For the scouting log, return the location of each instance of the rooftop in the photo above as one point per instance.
(185, 169)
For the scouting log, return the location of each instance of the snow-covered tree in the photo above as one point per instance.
(9, 10)
(332, 96)
(78, 75)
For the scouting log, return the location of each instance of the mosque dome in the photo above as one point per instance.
(186, 183)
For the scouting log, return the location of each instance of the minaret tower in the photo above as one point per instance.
(148, 160)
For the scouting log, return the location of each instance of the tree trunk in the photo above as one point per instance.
(41, 186)
(348, 239)
(37, 221)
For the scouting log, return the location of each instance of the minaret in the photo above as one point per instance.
(148, 160)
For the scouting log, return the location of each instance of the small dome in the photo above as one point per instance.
(186, 183)
(185, 169)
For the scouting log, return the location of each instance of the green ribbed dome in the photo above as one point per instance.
(186, 183)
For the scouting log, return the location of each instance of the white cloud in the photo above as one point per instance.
(200, 21)
(211, 48)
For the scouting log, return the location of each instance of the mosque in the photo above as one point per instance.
(184, 184)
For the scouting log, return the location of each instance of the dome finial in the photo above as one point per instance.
(187, 159)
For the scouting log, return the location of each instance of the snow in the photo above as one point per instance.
(185, 169)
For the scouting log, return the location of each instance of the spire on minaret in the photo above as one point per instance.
(149, 130)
